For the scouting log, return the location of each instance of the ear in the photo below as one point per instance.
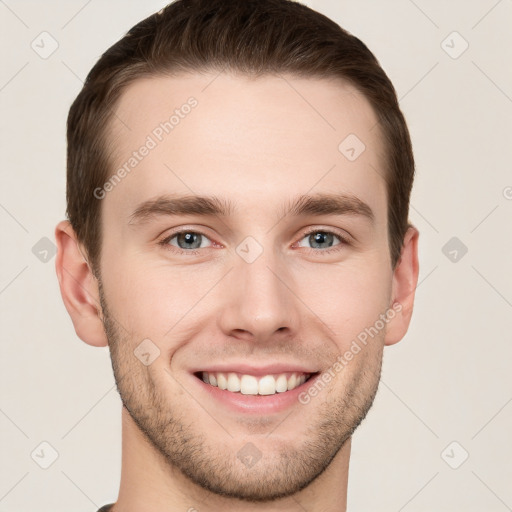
(405, 280)
(78, 287)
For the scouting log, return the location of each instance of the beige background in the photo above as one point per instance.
(448, 380)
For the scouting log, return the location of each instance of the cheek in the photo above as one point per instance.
(347, 297)
(152, 298)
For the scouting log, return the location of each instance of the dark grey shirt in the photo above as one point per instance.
(106, 508)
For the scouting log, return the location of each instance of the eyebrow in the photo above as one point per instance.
(302, 205)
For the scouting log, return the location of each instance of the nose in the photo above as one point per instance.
(259, 300)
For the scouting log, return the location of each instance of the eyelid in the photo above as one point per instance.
(342, 235)
(165, 241)
(345, 241)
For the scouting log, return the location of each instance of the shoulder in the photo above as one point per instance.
(106, 508)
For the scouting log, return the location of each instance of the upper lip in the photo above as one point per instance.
(248, 369)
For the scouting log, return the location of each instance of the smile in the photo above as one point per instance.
(252, 385)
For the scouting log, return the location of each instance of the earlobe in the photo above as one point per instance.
(78, 287)
(405, 280)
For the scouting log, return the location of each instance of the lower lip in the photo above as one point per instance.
(256, 404)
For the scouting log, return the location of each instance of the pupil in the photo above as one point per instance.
(189, 238)
(321, 237)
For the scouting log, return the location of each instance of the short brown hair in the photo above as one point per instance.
(254, 37)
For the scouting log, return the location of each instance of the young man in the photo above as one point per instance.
(238, 185)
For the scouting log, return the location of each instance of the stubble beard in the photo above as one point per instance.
(183, 443)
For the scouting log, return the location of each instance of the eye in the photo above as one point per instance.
(323, 240)
(186, 241)
(189, 242)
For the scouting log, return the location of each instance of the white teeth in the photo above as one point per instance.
(267, 385)
(281, 384)
(251, 385)
(233, 382)
(222, 382)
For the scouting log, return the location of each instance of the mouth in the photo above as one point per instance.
(263, 385)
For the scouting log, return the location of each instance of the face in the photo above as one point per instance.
(250, 286)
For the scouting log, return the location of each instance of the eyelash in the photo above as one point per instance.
(343, 241)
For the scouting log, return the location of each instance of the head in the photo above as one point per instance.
(238, 182)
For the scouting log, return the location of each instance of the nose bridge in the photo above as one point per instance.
(260, 300)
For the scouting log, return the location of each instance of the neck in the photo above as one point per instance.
(149, 483)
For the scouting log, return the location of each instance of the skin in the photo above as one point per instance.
(258, 143)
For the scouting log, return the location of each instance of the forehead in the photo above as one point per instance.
(244, 138)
